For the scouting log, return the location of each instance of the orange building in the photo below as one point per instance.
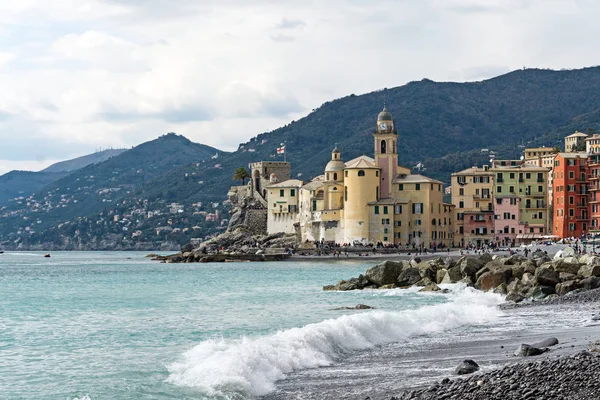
(594, 189)
(570, 194)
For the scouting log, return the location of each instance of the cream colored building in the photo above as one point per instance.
(575, 142)
(367, 200)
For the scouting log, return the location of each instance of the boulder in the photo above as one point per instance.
(408, 277)
(587, 258)
(566, 287)
(521, 268)
(425, 282)
(538, 253)
(514, 297)
(546, 277)
(385, 273)
(453, 275)
(565, 276)
(546, 343)
(481, 272)
(492, 279)
(526, 350)
(515, 286)
(501, 289)
(542, 260)
(569, 264)
(588, 270)
(469, 266)
(540, 292)
(466, 367)
(467, 281)
(431, 288)
(592, 282)
(485, 258)
(449, 263)
(516, 259)
(441, 273)
(566, 252)
(356, 307)
(527, 279)
(428, 269)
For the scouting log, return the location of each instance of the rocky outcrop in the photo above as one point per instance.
(518, 278)
(466, 367)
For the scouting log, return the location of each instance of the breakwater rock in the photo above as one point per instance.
(516, 276)
(574, 377)
(238, 245)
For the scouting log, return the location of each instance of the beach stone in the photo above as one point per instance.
(466, 367)
(546, 343)
(424, 282)
(564, 253)
(547, 277)
(516, 259)
(453, 275)
(481, 272)
(515, 286)
(526, 350)
(566, 287)
(428, 269)
(589, 270)
(485, 258)
(408, 277)
(514, 297)
(385, 273)
(492, 279)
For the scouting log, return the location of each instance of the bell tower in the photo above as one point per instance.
(386, 153)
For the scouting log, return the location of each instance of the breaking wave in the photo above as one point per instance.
(248, 367)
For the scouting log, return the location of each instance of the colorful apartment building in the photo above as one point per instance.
(592, 144)
(521, 203)
(593, 175)
(571, 195)
(474, 210)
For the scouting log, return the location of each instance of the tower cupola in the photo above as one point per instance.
(334, 168)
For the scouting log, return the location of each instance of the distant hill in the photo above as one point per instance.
(83, 161)
(98, 186)
(443, 125)
(24, 183)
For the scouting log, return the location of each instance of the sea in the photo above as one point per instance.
(116, 325)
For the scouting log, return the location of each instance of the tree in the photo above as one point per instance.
(241, 174)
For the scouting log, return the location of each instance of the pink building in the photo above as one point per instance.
(480, 225)
(506, 222)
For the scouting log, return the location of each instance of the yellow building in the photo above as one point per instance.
(592, 144)
(369, 200)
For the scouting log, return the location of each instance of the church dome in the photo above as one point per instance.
(384, 115)
(335, 166)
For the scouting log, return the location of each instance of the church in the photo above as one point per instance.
(364, 200)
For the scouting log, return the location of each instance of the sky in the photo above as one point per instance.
(77, 76)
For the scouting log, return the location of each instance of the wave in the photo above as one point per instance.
(248, 367)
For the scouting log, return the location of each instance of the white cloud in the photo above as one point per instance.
(100, 73)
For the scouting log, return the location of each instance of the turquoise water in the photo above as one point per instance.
(116, 325)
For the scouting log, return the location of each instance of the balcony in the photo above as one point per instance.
(481, 196)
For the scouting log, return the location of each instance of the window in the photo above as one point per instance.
(571, 174)
(571, 212)
(571, 200)
(400, 186)
(292, 192)
(461, 204)
(512, 175)
(417, 208)
(398, 209)
(385, 209)
(376, 209)
(432, 186)
(540, 189)
(511, 189)
(346, 193)
(499, 189)
(417, 186)
(513, 201)
(499, 177)
(377, 193)
(383, 147)
(281, 192)
(335, 176)
(461, 192)
(361, 173)
(346, 174)
(528, 175)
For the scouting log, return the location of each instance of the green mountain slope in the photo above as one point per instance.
(24, 183)
(99, 186)
(443, 125)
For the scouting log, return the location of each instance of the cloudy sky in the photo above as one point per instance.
(80, 75)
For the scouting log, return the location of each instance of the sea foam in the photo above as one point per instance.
(247, 367)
